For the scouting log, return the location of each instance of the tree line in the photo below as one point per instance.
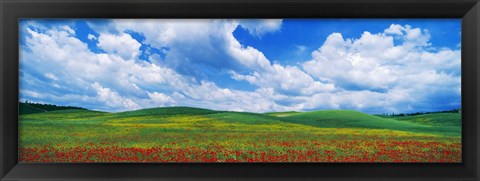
(49, 107)
(420, 113)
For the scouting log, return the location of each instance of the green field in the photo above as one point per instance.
(184, 134)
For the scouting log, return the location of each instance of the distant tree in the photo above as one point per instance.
(50, 107)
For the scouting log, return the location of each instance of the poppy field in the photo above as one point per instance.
(182, 134)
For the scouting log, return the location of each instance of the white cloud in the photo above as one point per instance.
(160, 99)
(191, 41)
(404, 75)
(113, 83)
(374, 62)
(67, 29)
(31, 93)
(371, 73)
(395, 29)
(91, 37)
(113, 99)
(209, 95)
(74, 66)
(194, 43)
(259, 27)
(155, 59)
(123, 45)
(300, 49)
(288, 80)
(51, 76)
(414, 36)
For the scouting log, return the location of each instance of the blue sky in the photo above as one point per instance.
(256, 65)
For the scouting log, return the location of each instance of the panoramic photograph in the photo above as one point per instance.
(240, 90)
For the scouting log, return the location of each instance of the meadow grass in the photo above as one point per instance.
(200, 135)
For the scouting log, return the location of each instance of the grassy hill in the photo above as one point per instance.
(282, 114)
(245, 118)
(28, 109)
(185, 134)
(354, 119)
(197, 118)
(434, 119)
(166, 111)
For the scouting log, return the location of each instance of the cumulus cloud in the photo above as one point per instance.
(112, 98)
(409, 35)
(122, 45)
(91, 37)
(76, 70)
(109, 81)
(67, 29)
(196, 43)
(406, 71)
(259, 27)
(160, 99)
(288, 80)
(210, 44)
(209, 95)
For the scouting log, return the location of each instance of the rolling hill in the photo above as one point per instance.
(355, 119)
(441, 123)
(434, 119)
(166, 111)
(178, 134)
(281, 114)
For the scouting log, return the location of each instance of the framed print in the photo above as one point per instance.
(226, 90)
(204, 90)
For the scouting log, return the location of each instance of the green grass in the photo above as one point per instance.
(281, 114)
(184, 127)
(166, 111)
(79, 127)
(434, 119)
(28, 109)
(64, 116)
(354, 119)
(245, 118)
(195, 118)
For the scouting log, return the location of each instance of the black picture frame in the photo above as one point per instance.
(11, 11)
